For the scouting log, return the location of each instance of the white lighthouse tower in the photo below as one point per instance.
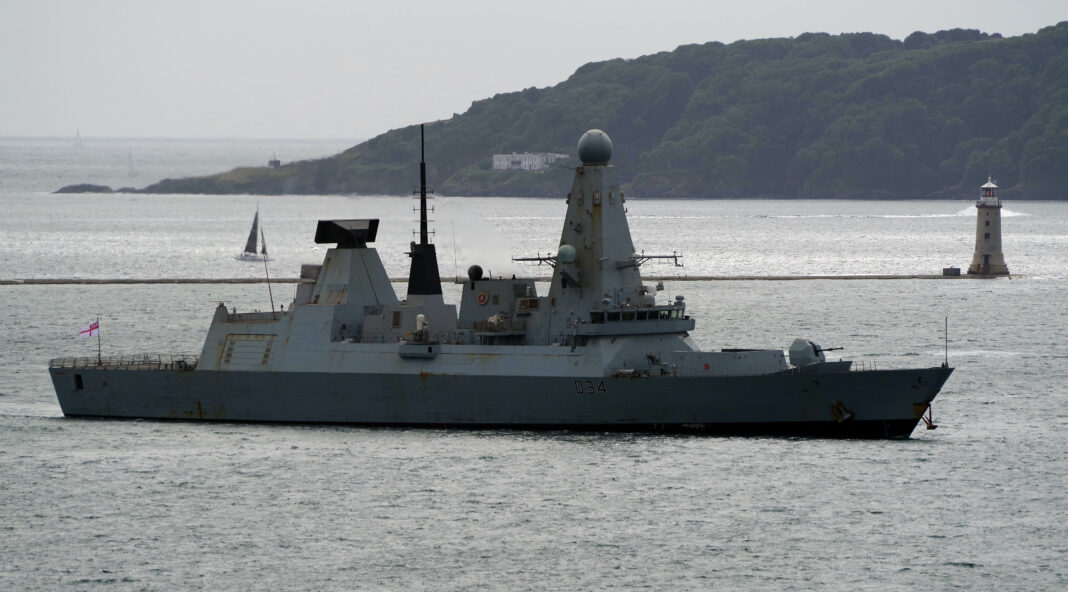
(988, 258)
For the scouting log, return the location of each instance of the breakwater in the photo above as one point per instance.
(681, 278)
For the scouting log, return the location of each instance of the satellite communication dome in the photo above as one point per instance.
(566, 254)
(595, 148)
(474, 272)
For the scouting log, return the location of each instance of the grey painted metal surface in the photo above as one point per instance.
(789, 403)
(597, 352)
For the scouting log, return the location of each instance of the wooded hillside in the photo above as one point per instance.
(853, 115)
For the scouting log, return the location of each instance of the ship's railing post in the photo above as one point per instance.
(129, 362)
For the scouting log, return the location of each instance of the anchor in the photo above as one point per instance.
(840, 413)
(928, 419)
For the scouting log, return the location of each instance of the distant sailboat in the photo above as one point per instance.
(250, 254)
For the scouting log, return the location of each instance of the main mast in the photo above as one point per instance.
(423, 278)
(423, 239)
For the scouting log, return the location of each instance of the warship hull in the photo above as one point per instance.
(600, 351)
(853, 404)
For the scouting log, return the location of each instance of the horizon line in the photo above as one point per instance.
(75, 138)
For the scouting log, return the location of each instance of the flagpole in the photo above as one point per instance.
(99, 358)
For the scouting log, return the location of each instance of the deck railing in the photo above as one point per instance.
(864, 366)
(133, 362)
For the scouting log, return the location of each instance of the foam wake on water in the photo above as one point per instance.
(1005, 212)
(965, 212)
(979, 353)
(466, 237)
(495, 218)
(652, 217)
(867, 216)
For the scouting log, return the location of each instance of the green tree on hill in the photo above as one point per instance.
(819, 115)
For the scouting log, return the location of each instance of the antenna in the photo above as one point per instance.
(266, 273)
(423, 278)
(946, 362)
(422, 189)
(455, 265)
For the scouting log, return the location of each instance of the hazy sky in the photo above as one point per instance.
(352, 69)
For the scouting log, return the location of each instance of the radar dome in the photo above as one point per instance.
(566, 254)
(474, 272)
(595, 148)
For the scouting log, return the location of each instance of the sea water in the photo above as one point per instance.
(978, 503)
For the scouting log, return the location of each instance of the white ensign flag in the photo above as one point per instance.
(90, 331)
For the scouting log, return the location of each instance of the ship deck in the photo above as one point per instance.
(129, 362)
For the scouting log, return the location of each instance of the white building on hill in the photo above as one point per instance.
(527, 161)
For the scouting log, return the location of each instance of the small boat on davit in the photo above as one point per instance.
(598, 351)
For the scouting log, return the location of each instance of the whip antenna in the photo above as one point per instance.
(266, 273)
(946, 363)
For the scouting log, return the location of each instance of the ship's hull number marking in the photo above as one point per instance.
(588, 387)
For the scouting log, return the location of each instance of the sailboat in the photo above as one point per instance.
(250, 254)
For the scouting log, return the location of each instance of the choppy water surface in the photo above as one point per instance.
(977, 504)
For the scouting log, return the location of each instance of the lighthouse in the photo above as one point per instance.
(988, 259)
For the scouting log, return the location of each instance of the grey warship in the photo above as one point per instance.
(599, 351)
